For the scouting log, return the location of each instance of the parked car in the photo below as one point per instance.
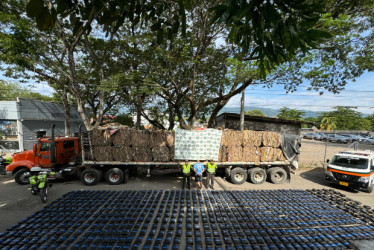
(338, 138)
(369, 140)
(324, 137)
(353, 137)
(312, 136)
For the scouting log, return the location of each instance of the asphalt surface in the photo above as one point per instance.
(17, 202)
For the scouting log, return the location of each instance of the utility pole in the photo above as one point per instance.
(242, 112)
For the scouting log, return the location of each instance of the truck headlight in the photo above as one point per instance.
(364, 179)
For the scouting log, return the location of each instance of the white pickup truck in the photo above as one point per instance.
(354, 169)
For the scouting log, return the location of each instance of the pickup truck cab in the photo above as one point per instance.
(354, 169)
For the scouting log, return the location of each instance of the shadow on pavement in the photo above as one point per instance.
(317, 175)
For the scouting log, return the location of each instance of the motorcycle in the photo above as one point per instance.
(39, 181)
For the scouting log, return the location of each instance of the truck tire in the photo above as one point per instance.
(238, 176)
(21, 176)
(91, 176)
(114, 176)
(370, 188)
(278, 175)
(257, 175)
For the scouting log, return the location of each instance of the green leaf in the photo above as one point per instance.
(44, 19)
(77, 26)
(61, 7)
(160, 36)
(156, 26)
(34, 8)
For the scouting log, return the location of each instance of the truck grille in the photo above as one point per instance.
(345, 177)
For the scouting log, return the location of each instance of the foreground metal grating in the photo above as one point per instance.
(271, 219)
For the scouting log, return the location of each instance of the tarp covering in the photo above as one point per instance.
(290, 145)
(197, 144)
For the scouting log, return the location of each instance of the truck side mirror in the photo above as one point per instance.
(328, 160)
(34, 148)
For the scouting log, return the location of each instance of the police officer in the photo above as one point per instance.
(211, 172)
(186, 175)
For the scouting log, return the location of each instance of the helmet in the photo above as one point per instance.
(36, 169)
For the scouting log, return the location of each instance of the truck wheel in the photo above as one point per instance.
(22, 176)
(114, 176)
(278, 175)
(238, 176)
(257, 175)
(91, 176)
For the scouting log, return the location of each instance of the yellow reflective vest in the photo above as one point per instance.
(186, 169)
(212, 168)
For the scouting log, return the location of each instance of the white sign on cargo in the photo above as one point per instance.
(197, 144)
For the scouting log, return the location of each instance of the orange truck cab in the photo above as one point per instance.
(61, 154)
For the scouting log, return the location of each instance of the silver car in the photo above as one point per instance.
(338, 138)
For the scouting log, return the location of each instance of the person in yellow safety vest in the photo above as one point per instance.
(211, 172)
(186, 175)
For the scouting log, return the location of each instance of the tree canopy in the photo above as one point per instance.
(161, 59)
(255, 112)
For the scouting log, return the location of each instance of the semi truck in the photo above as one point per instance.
(72, 157)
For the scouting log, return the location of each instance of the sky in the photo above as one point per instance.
(359, 93)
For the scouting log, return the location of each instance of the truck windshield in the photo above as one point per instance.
(349, 162)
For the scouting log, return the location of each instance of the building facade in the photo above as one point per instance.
(23, 121)
(232, 121)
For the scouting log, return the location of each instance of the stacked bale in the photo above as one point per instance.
(101, 142)
(121, 143)
(124, 144)
(250, 146)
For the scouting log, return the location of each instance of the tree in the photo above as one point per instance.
(328, 123)
(290, 114)
(9, 91)
(255, 112)
(346, 118)
(74, 65)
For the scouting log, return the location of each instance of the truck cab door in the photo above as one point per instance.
(42, 155)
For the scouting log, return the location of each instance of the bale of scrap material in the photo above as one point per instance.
(141, 154)
(140, 138)
(170, 138)
(267, 154)
(251, 154)
(233, 138)
(100, 137)
(225, 134)
(171, 152)
(222, 155)
(122, 136)
(257, 138)
(157, 138)
(247, 137)
(235, 153)
(122, 153)
(161, 154)
(278, 155)
(271, 139)
(103, 153)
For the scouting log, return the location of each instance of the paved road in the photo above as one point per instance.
(16, 202)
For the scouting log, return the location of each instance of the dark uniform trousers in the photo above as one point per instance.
(188, 178)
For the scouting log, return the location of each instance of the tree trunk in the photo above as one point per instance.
(213, 115)
(67, 111)
(139, 107)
